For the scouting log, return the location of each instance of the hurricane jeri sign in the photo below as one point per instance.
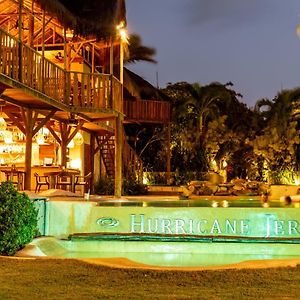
(241, 227)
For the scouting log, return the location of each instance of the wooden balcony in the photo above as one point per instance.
(23, 67)
(147, 111)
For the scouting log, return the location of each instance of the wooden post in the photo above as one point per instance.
(43, 52)
(111, 57)
(93, 59)
(29, 124)
(63, 146)
(20, 50)
(168, 153)
(92, 157)
(118, 155)
(31, 27)
(121, 62)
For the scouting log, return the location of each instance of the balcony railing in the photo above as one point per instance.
(29, 67)
(147, 111)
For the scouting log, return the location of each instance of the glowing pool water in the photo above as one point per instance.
(172, 233)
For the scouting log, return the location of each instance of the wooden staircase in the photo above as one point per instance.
(107, 150)
(132, 164)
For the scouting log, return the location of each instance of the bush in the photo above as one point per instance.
(105, 186)
(18, 219)
(132, 187)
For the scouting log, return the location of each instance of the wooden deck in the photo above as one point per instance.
(150, 111)
(22, 67)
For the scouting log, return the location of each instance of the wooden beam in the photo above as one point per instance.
(64, 144)
(43, 122)
(118, 156)
(16, 121)
(72, 135)
(92, 157)
(29, 123)
(57, 138)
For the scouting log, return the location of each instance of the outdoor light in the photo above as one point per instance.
(123, 35)
(298, 30)
(225, 203)
(3, 124)
(71, 144)
(8, 137)
(123, 32)
(78, 139)
(214, 204)
(40, 139)
(69, 33)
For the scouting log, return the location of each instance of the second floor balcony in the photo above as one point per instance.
(23, 68)
(147, 111)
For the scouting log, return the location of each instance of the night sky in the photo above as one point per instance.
(252, 43)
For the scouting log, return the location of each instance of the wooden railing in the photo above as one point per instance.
(147, 111)
(24, 64)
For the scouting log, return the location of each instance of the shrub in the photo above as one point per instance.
(105, 186)
(18, 219)
(132, 187)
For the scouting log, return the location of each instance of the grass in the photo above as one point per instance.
(72, 279)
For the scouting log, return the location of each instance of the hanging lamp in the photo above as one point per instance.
(8, 137)
(78, 139)
(3, 124)
(40, 139)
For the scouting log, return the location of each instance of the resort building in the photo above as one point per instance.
(62, 95)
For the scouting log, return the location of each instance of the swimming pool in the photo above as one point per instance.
(172, 232)
(166, 254)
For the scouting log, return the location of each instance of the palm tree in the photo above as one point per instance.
(201, 104)
(139, 52)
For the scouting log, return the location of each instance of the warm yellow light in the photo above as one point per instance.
(40, 139)
(298, 30)
(121, 25)
(123, 35)
(11, 42)
(75, 163)
(78, 139)
(145, 179)
(69, 33)
(3, 124)
(71, 144)
(224, 164)
(8, 137)
(123, 32)
(214, 204)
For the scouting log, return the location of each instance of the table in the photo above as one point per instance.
(16, 177)
(63, 172)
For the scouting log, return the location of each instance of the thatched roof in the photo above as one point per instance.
(139, 88)
(57, 8)
(97, 18)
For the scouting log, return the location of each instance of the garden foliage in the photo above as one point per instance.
(18, 219)
(105, 186)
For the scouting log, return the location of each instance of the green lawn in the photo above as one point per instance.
(72, 279)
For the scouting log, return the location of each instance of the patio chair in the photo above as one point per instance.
(40, 181)
(83, 181)
(64, 181)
